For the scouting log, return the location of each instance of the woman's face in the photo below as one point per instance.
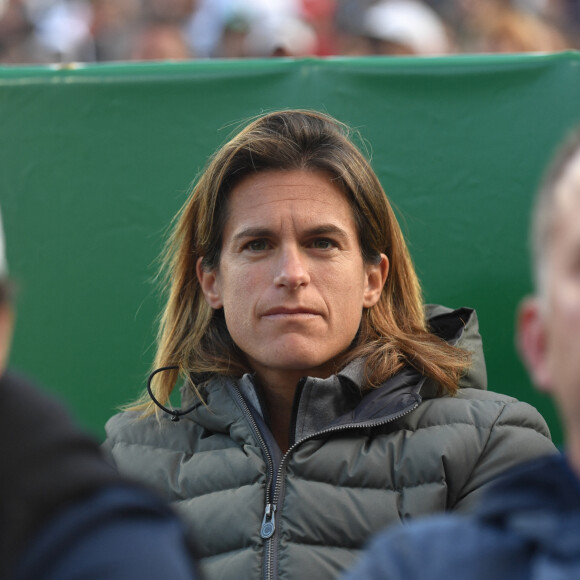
(291, 279)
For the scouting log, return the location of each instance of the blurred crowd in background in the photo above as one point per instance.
(63, 31)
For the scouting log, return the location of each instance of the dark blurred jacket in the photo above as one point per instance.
(64, 513)
(527, 527)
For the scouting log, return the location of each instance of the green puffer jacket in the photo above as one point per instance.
(357, 462)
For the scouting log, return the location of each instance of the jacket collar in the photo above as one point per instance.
(339, 400)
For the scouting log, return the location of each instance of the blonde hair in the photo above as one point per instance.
(194, 338)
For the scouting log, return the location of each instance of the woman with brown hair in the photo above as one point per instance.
(322, 400)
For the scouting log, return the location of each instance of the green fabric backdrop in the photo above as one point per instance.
(95, 161)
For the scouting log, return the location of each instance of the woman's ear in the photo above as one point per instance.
(376, 276)
(209, 282)
(531, 341)
(6, 328)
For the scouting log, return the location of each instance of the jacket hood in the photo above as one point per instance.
(407, 388)
(460, 327)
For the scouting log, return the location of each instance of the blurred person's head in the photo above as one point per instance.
(233, 37)
(175, 11)
(320, 14)
(114, 24)
(405, 27)
(349, 27)
(549, 322)
(114, 13)
(219, 27)
(387, 331)
(15, 31)
(498, 27)
(6, 310)
(160, 41)
(291, 37)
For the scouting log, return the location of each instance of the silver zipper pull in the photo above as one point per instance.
(268, 523)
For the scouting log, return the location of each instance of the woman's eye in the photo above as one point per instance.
(257, 245)
(322, 244)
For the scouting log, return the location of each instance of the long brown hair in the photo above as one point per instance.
(194, 337)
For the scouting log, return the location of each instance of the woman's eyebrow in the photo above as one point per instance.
(253, 232)
(264, 232)
(326, 229)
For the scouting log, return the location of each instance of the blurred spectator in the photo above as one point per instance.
(499, 27)
(320, 14)
(219, 27)
(512, 26)
(114, 24)
(349, 21)
(160, 41)
(17, 42)
(405, 27)
(45, 31)
(281, 37)
(233, 33)
(63, 28)
(175, 11)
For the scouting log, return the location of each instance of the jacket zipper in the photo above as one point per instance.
(268, 522)
(268, 528)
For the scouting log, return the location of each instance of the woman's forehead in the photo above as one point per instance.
(272, 190)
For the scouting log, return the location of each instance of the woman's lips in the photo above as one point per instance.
(284, 312)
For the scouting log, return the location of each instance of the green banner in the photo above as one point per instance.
(96, 160)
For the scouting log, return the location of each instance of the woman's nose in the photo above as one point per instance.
(291, 269)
